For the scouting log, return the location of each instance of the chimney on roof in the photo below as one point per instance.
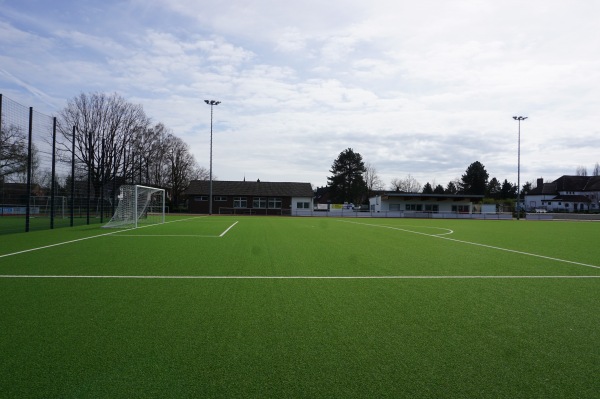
(258, 180)
(540, 182)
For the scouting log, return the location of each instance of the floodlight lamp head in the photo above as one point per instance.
(206, 101)
(212, 102)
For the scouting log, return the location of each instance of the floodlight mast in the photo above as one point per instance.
(210, 196)
(519, 119)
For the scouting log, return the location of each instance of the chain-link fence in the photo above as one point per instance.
(43, 183)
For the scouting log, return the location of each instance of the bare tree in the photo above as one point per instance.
(182, 167)
(156, 147)
(13, 151)
(373, 181)
(201, 173)
(409, 184)
(596, 171)
(114, 138)
(581, 171)
(98, 117)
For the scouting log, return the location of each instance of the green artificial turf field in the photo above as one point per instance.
(302, 307)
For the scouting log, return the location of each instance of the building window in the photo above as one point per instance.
(414, 207)
(220, 198)
(259, 202)
(201, 198)
(432, 208)
(303, 205)
(394, 207)
(240, 202)
(275, 203)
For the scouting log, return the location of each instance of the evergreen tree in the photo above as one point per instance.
(493, 189)
(475, 180)
(439, 189)
(451, 188)
(508, 190)
(427, 189)
(347, 182)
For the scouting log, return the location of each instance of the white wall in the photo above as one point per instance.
(379, 205)
(295, 201)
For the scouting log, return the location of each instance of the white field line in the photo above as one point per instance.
(86, 238)
(9, 276)
(177, 235)
(229, 228)
(478, 244)
(164, 235)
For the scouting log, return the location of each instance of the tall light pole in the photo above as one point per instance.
(519, 119)
(210, 196)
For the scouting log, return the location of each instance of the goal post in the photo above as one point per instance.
(138, 205)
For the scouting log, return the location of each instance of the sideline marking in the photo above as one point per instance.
(295, 277)
(478, 244)
(87, 238)
(448, 231)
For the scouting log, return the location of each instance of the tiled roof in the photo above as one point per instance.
(593, 184)
(568, 183)
(250, 188)
(571, 183)
(571, 198)
(545, 188)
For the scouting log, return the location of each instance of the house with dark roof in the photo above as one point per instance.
(249, 197)
(565, 194)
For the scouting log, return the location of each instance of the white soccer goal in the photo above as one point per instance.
(42, 206)
(138, 205)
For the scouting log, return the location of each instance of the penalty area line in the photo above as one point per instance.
(229, 228)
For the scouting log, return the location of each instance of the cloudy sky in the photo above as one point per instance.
(416, 87)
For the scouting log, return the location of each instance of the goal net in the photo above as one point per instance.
(138, 205)
(42, 205)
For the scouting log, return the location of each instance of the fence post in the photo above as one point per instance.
(53, 180)
(1, 179)
(102, 184)
(29, 165)
(89, 180)
(73, 178)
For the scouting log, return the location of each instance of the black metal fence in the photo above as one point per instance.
(43, 183)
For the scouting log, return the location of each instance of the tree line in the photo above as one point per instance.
(116, 139)
(113, 140)
(354, 181)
